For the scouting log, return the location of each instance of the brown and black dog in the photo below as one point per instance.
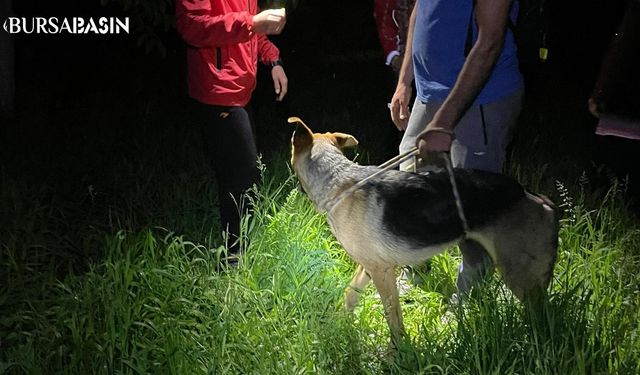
(401, 218)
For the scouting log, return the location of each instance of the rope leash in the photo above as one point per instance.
(384, 167)
(394, 162)
(456, 194)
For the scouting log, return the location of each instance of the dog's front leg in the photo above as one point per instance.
(359, 281)
(385, 281)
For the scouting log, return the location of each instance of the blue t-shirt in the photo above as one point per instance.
(439, 40)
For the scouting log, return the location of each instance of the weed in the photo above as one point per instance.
(155, 301)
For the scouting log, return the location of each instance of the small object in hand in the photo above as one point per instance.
(282, 12)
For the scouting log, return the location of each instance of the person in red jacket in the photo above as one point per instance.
(383, 13)
(392, 20)
(225, 41)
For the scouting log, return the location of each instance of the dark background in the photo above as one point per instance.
(88, 105)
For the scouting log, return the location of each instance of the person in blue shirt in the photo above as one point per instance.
(462, 55)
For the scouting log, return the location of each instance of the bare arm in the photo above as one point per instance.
(402, 96)
(492, 17)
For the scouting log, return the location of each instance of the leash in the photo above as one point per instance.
(384, 167)
(394, 162)
(456, 194)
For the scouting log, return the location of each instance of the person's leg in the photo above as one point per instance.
(484, 132)
(230, 145)
(482, 137)
(476, 262)
(421, 114)
(476, 265)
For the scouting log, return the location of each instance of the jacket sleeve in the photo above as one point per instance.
(387, 28)
(200, 29)
(267, 51)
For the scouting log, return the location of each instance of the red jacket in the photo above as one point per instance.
(383, 13)
(223, 51)
(392, 21)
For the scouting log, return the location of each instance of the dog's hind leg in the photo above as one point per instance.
(525, 244)
(359, 281)
(385, 281)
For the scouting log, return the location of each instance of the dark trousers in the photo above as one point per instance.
(230, 147)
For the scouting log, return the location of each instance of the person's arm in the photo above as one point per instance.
(267, 51)
(269, 54)
(492, 19)
(200, 29)
(399, 105)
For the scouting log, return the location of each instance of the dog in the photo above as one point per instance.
(401, 218)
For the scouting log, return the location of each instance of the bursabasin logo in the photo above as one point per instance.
(67, 25)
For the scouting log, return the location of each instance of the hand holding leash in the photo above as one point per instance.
(435, 139)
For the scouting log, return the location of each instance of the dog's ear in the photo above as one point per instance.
(342, 140)
(302, 136)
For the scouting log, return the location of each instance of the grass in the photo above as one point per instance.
(155, 300)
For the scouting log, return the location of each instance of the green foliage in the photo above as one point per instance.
(157, 301)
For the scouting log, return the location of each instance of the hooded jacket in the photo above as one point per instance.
(223, 51)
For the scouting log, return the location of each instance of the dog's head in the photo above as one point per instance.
(305, 143)
(303, 140)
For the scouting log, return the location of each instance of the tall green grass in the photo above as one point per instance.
(157, 301)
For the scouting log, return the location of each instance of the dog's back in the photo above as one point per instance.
(422, 207)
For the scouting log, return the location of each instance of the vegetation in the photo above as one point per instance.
(146, 293)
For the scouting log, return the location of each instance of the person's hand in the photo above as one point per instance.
(280, 82)
(399, 105)
(396, 63)
(594, 107)
(270, 21)
(434, 139)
